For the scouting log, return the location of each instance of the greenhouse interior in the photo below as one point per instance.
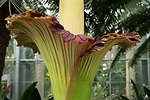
(122, 73)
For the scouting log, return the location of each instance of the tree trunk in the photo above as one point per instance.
(4, 34)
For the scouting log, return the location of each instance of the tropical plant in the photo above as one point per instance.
(4, 90)
(31, 93)
(143, 96)
(119, 16)
(104, 16)
(100, 16)
(72, 60)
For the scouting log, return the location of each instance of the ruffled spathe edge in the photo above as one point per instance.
(130, 39)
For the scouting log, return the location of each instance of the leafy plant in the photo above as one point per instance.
(4, 90)
(139, 96)
(50, 97)
(72, 60)
(31, 93)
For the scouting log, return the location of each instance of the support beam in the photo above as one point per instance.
(40, 76)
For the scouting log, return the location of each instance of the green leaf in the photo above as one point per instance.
(6, 98)
(143, 49)
(18, 5)
(2, 2)
(31, 93)
(147, 91)
(139, 97)
(35, 95)
(27, 2)
(50, 97)
(123, 98)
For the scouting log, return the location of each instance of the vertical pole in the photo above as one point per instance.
(131, 69)
(40, 77)
(145, 72)
(28, 68)
(127, 75)
(109, 74)
(148, 60)
(16, 75)
(22, 74)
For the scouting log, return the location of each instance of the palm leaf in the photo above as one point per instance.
(31, 93)
(104, 16)
(139, 96)
(143, 49)
(123, 98)
(137, 22)
(18, 4)
(2, 2)
(147, 91)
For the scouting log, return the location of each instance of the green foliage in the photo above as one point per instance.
(100, 88)
(143, 49)
(2, 2)
(47, 85)
(50, 97)
(147, 91)
(123, 98)
(105, 16)
(31, 93)
(139, 96)
(118, 79)
(137, 92)
(3, 91)
(138, 22)
(101, 81)
(17, 4)
(44, 6)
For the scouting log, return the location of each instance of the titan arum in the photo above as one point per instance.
(72, 59)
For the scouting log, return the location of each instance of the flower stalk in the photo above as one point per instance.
(72, 60)
(71, 15)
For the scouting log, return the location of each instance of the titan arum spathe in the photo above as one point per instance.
(72, 60)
